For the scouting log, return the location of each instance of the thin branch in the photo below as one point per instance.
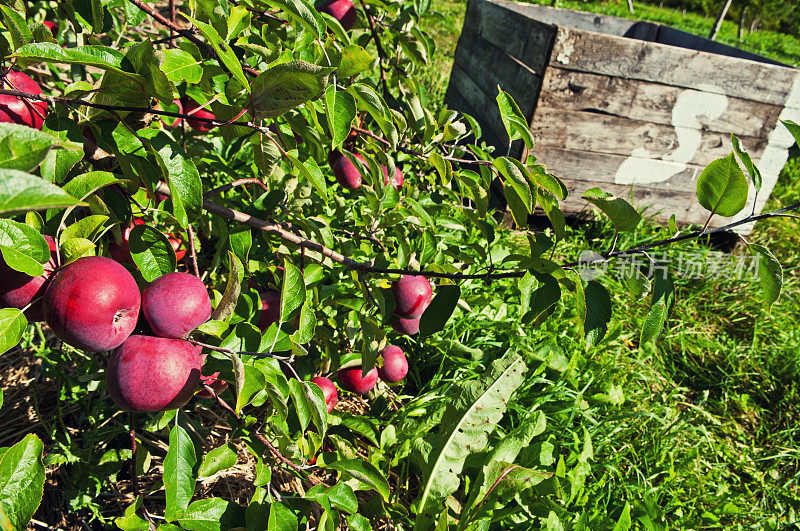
(379, 46)
(192, 251)
(234, 184)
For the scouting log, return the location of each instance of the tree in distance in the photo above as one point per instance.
(412, 295)
(149, 373)
(395, 364)
(346, 173)
(192, 107)
(18, 289)
(175, 304)
(270, 309)
(407, 327)
(92, 303)
(21, 111)
(342, 10)
(328, 391)
(350, 378)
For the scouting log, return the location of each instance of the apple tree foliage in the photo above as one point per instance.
(252, 191)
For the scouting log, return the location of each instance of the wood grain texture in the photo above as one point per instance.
(608, 134)
(614, 56)
(482, 104)
(648, 101)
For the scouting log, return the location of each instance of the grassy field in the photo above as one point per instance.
(700, 432)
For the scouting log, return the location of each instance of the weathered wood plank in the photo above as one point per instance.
(603, 133)
(524, 38)
(634, 29)
(631, 59)
(600, 168)
(652, 102)
(484, 106)
(454, 100)
(489, 66)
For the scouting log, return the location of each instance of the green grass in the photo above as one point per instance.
(707, 435)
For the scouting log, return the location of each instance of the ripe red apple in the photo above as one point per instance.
(395, 364)
(192, 107)
(346, 172)
(270, 309)
(177, 245)
(328, 391)
(149, 373)
(52, 27)
(175, 304)
(341, 10)
(397, 178)
(333, 156)
(407, 327)
(351, 379)
(18, 110)
(121, 252)
(412, 295)
(17, 289)
(92, 303)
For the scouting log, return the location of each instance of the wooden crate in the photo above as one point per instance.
(635, 108)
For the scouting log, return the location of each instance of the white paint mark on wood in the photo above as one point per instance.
(643, 167)
(566, 50)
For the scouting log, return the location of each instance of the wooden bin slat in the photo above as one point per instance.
(678, 67)
(480, 102)
(653, 102)
(617, 135)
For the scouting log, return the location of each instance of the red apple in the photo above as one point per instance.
(177, 245)
(17, 289)
(412, 295)
(270, 309)
(347, 174)
(407, 327)
(121, 252)
(92, 303)
(170, 121)
(52, 27)
(395, 364)
(351, 379)
(175, 304)
(18, 110)
(149, 373)
(397, 178)
(334, 156)
(341, 10)
(328, 391)
(192, 107)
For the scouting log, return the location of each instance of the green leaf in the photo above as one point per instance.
(212, 514)
(312, 173)
(248, 385)
(265, 153)
(286, 86)
(24, 148)
(85, 184)
(220, 458)
(21, 192)
(620, 212)
(17, 27)
(598, 312)
(515, 123)
(355, 60)
(371, 102)
(21, 482)
(281, 518)
(151, 252)
(538, 301)
(624, 523)
(793, 128)
(12, 325)
(74, 248)
(179, 480)
(770, 273)
(233, 288)
(293, 290)
(365, 472)
(468, 419)
(340, 109)
(342, 497)
(441, 308)
(660, 307)
(744, 156)
(356, 522)
(222, 49)
(101, 57)
(520, 178)
(90, 227)
(722, 187)
(185, 186)
(23, 247)
(179, 65)
(303, 13)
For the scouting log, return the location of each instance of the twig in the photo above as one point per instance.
(379, 46)
(238, 182)
(192, 251)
